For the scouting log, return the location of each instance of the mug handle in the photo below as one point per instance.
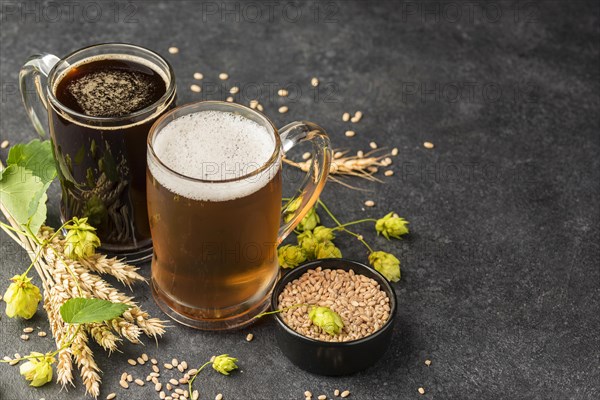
(30, 76)
(314, 181)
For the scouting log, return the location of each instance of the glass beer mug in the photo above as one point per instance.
(101, 102)
(214, 194)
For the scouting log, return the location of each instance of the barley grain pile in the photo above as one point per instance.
(358, 299)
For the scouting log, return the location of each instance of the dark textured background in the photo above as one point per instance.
(500, 274)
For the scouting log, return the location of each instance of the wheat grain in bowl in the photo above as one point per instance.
(358, 299)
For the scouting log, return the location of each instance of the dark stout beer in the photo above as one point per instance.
(101, 154)
(214, 227)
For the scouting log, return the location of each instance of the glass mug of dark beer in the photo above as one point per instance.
(215, 206)
(101, 102)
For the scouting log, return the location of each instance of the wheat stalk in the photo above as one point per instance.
(362, 165)
(62, 279)
(104, 336)
(99, 263)
(88, 368)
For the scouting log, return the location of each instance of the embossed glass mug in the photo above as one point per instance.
(215, 208)
(101, 102)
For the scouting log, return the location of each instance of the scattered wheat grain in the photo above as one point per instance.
(357, 117)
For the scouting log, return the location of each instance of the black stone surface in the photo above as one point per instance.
(500, 274)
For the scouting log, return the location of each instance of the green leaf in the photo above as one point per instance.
(82, 311)
(35, 156)
(24, 196)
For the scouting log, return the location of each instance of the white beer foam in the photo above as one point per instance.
(213, 146)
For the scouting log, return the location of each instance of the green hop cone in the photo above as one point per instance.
(326, 319)
(387, 264)
(38, 370)
(224, 364)
(308, 242)
(327, 250)
(391, 226)
(81, 240)
(22, 297)
(292, 207)
(310, 221)
(290, 256)
(323, 234)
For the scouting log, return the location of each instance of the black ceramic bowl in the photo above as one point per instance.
(334, 358)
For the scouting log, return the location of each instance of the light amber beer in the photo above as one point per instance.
(220, 233)
(214, 206)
